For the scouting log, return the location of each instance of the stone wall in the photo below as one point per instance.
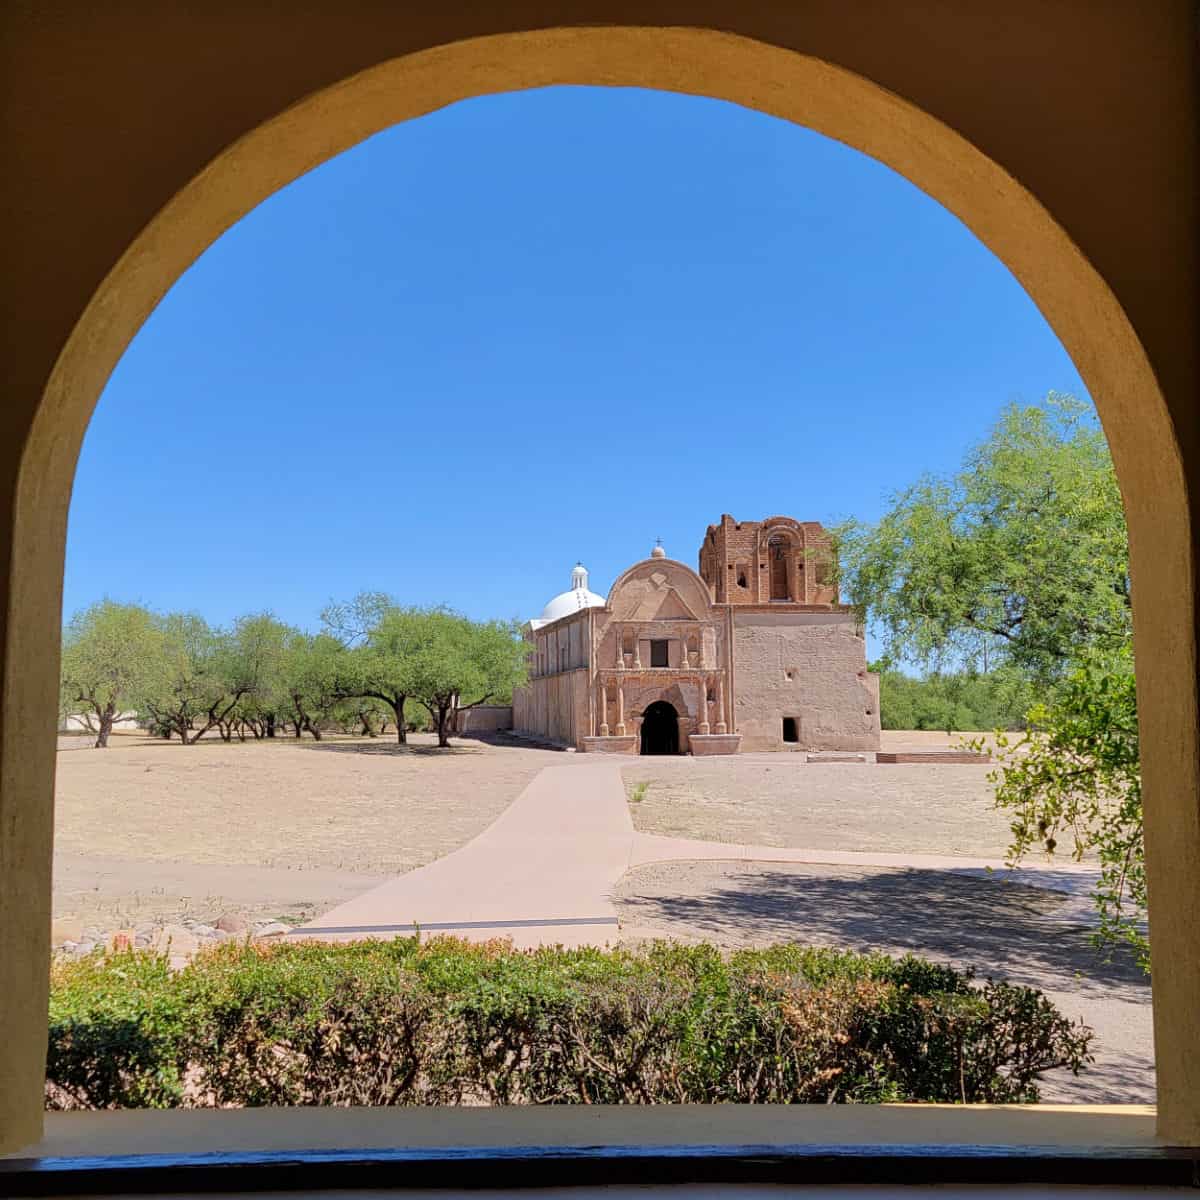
(483, 718)
(807, 666)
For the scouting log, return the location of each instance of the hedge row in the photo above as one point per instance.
(446, 1022)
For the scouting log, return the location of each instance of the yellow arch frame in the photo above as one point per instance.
(50, 406)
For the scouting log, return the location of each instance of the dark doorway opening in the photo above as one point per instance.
(660, 729)
(658, 654)
(779, 569)
(790, 732)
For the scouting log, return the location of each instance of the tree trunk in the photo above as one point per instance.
(106, 724)
(312, 729)
(443, 722)
(367, 730)
(299, 728)
(270, 724)
(401, 730)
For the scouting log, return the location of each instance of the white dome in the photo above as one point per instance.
(575, 600)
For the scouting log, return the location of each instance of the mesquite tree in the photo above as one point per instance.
(111, 653)
(379, 635)
(1021, 559)
(459, 663)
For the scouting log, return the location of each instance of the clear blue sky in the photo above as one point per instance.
(536, 328)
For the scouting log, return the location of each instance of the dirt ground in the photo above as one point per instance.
(149, 830)
(779, 800)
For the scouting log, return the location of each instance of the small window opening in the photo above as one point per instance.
(658, 654)
(789, 730)
(741, 579)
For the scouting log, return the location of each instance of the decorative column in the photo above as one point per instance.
(704, 726)
(721, 726)
(620, 709)
(637, 649)
(604, 710)
(620, 649)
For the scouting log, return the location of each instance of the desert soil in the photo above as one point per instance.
(777, 800)
(149, 830)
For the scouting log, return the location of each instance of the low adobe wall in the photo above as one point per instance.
(484, 718)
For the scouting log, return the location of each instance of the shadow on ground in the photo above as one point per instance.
(460, 745)
(409, 750)
(991, 925)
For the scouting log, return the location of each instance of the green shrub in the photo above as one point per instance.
(118, 1029)
(446, 1022)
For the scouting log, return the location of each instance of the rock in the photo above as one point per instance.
(176, 941)
(271, 929)
(65, 929)
(142, 941)
(232, 922)
(120, 939)
(83, 949)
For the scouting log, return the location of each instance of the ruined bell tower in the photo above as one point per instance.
(778, 562)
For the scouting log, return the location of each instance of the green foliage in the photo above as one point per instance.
(1074, 782)
(118, 1027)
(456, 662)
(111, 654)
(314, 672)
(189, 682)
(434, 656)
(451, 1023)
(961, 700)
(1019, 559)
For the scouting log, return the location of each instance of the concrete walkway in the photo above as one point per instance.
(544, 872)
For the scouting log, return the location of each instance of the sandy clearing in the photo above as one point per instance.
(303, 820)
(778, 800)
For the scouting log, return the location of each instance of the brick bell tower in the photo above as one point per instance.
(779, 563)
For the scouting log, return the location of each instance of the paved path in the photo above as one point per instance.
(546, 870)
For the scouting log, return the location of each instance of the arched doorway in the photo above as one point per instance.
(660, 729)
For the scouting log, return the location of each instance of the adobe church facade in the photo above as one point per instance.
(753, 652)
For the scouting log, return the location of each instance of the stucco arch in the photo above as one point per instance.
(159, 134)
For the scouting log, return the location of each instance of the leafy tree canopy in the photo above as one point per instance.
(1021, 558)
(111, 653)
(957, 700)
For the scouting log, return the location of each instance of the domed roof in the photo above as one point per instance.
(574, 600)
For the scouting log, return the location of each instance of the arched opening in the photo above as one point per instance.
(660, 729)
(778, 567)
(341, 94)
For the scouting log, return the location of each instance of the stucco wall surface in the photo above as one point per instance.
(810, 666)
(553, 706)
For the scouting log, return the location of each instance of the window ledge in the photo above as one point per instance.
(315, 1148)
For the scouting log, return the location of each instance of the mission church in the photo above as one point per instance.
(753, 652)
